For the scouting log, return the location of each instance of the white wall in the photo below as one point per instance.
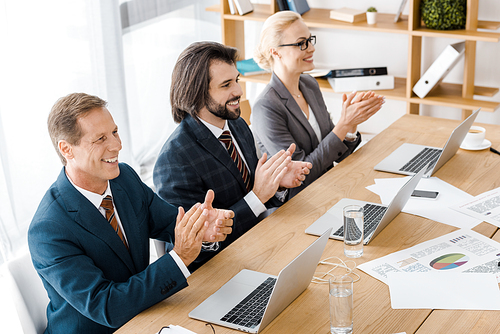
(349, 49)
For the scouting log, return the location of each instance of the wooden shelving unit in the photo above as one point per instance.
(446, 94)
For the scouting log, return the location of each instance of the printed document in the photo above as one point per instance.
(463, 251)
(484, 207)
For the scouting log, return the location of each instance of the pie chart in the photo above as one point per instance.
(449, 261)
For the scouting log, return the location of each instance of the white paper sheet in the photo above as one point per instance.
(460, 251)
(174, 329)
(444, 290)
(483, 207)
(438, 210)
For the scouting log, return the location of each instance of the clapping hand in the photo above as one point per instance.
(296, 171)
(219, 220)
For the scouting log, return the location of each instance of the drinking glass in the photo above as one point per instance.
(341, 304)
(353, 231)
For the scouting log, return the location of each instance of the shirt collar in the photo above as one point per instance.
(94, 198)
(216, 131)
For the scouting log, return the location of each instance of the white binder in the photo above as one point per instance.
(232, 9)
(439, 69)
(243, 6)
(372, 82)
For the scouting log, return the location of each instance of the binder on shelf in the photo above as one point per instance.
(283, 5)
(318, 72)
(243, 6)
(439, 69)
(350, 84)
(357, 72)
(249, 67)
(232, 9)
(400, 10)
(298, 6)
(348, 15)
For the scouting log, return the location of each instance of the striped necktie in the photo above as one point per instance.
(107, 205)
(225, 137)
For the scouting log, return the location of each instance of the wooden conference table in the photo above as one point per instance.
(274, 242)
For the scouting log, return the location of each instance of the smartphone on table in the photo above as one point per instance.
(425, 194)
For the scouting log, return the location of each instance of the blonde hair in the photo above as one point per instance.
(271, 34)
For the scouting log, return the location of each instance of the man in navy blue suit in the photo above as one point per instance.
(205, 97)
(89, 239)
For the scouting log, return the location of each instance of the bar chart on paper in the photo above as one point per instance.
(449, 261)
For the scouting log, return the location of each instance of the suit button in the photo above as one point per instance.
(164, 291)
(339, 154)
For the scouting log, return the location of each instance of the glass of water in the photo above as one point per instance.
(353, 231)
(341, 305)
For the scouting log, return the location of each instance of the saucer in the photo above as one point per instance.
(484, 145)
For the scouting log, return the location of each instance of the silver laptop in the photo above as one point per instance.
(231, 305)
(408, 159)
(376, 216)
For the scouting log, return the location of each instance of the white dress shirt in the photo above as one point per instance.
(314, 123)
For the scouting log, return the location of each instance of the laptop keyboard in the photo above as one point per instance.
(372, 216)
(427, 155)
(249, 311)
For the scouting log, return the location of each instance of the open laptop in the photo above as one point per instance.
(230, 305)
(408, 159)
(376, 216)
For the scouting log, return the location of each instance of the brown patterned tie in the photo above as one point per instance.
(225, 137)
(107, 205)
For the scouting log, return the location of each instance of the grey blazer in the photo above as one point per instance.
(278, 121)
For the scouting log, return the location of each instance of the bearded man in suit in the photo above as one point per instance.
(213, 148)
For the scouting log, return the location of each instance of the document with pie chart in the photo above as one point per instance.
(463, 251)
(449, 261)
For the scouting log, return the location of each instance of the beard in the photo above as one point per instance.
(221, 111)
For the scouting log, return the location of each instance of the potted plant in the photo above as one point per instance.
(444, 14)
(371, 15)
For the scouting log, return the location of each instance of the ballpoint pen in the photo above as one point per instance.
(494, 151)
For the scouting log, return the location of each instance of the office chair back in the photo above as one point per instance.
(29, 295)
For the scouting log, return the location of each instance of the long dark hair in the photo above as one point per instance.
(191, 76)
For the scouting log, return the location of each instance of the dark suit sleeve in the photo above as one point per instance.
(178, 180)
(74, 276)
(81, 269)
(276, 128)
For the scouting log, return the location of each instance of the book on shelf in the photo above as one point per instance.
(350, 84)
(298, 6)
(249, 67)
(439, 69)
(243, 6)
(357, 72)
(283, 5)
(348, 15)
(232, 8)
(400, 10)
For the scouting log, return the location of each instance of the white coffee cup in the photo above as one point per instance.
(475, 136)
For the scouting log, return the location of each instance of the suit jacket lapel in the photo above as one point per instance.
(129, 220)
(313, 103)
(213, 146)
(323, 119)
(87, 216)
(293, 107)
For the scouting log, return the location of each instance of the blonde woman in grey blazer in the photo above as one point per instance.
(291, 108)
